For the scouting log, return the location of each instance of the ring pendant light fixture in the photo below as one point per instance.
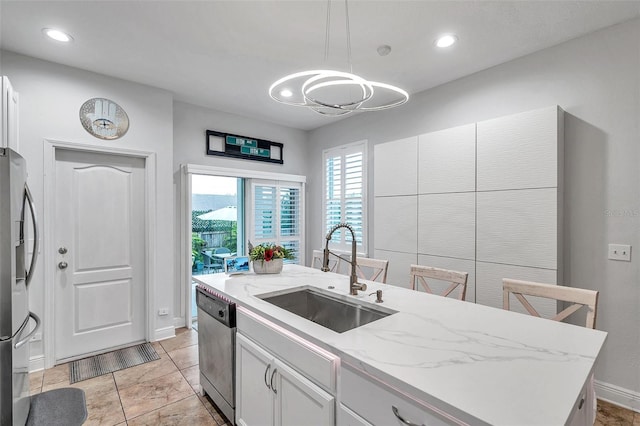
(332, 93)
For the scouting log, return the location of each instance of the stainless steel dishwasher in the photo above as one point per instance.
(216, 348)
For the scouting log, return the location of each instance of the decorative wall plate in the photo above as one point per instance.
(104, 118)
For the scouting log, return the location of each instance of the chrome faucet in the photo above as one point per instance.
(354, 285)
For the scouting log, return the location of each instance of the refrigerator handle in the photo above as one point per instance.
(28, 199)
(31, 333)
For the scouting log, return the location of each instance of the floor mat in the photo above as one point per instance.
(58, 407)
(88, 368)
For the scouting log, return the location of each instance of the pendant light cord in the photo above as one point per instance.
(346, 13)
(327, 30)
(327, 34)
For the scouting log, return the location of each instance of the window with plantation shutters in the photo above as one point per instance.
(277, 215)
(344, 189)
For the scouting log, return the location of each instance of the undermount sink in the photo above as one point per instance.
(329, 311)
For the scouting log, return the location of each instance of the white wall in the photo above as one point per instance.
(596, 80)
(189, 129)
(50, 98)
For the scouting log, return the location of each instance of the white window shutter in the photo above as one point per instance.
(278, 215)
(345, 194)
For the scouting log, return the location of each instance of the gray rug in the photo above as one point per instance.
(98, 365)
(58, 407)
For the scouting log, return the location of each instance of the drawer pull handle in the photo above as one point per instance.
(266, 372)
(581, 404)
(397, 414)
(273, 388)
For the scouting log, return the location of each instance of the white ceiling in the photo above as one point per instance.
(225, 54)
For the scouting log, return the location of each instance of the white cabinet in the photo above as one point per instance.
(254, 399)
(394, 175)
(269, 392)
(9, 116)
(487, 192)
(366, 400)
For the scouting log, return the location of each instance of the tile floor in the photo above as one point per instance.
(167, 391)
(162, 392)
(612, 415)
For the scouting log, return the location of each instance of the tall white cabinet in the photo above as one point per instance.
(483, 198)
(9, 116)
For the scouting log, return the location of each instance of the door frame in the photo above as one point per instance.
(49, 185)
(187, 170)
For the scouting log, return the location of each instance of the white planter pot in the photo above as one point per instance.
(274, 266)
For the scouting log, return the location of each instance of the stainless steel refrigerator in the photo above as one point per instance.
(16, 325)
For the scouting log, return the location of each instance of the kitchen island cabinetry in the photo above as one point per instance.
(281, 379)
(379, 404)
(271, 393)
(436, 360)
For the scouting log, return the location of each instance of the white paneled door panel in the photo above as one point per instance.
(518, 227)
(520, 150)
(113, 217)
(399, 266)
(395, 167)
(460, 265)
(395, 222)
(446, 225)
(447, 160)
(100, 236)
(489, 286)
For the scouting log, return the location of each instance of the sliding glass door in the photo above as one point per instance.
(217, 225)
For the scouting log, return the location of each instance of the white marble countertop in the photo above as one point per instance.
(480, 364)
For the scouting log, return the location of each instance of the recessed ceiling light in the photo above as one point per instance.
(446, 40)
(57, 35)
(286, 93)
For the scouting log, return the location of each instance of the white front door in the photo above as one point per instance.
(100, 260)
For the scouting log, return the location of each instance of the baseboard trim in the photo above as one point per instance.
(179, 322)
(36, 363)
(164, 333)
(619, 396)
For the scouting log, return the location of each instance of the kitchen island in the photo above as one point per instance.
(467, 363)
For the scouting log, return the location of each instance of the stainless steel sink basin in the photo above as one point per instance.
(327, 310)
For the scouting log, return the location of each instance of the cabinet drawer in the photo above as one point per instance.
(347, 417)
(374, 401)
(317, 365)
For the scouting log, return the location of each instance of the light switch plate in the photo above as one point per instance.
(620, 252)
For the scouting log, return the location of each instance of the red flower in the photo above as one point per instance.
(268, 255)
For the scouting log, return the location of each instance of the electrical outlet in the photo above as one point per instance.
(163, 311)
(620, 252)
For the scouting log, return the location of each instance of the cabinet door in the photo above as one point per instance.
(300, 402)
(254, 399)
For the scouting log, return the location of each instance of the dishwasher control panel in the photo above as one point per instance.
(216, 306)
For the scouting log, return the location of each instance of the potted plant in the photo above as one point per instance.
(268, 258)
(197, 245)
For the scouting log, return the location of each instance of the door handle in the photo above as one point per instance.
(397, 414)
(24, 340)
(63, 265)
(266, 372)
(28, 200)
(273, 388)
